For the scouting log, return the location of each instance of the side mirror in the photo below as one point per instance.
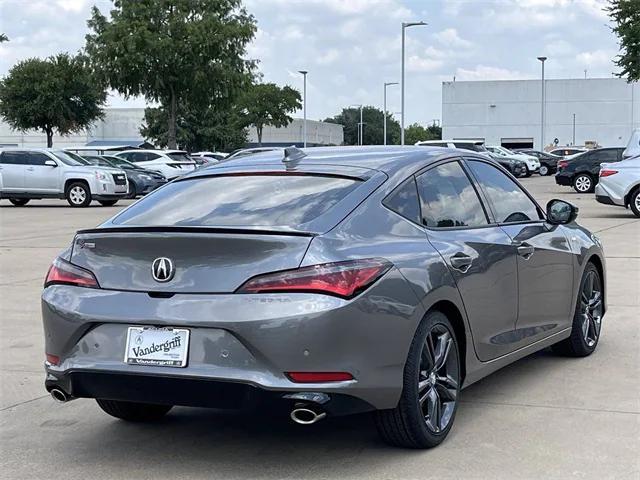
(560, 212)
(50, 163)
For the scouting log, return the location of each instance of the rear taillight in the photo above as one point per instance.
(562, 164)
(607, 173)
(342, 279)
(62, 272)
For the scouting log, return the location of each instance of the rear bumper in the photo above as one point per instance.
(245, 339)
(564, 180)
(608, 196)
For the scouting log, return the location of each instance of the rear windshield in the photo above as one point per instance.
(254, 200)
(470, 146)
(179, 157)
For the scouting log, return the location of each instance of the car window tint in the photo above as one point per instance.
(244, 200)
(150, 156)
(510, 203)
(37, 158)
(608, 156)
(404, 201)
(14, 158)
(448, 199)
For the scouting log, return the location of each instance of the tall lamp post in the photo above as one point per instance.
(405, 25)
(385, 109)
(304, 107)
(542, 60)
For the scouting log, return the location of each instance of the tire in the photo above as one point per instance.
(528, 173)
(583, 183)
(107, 203)
(78, 194)
(132, 192)
(134, 412)
(587, 319)
(19, 202)
(407, 425)
(634, 202)
(544, 170)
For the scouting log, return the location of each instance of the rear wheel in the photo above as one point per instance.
(431, 386)
(544, 170)
(134, 412)
(635, 202)
(78, 194)
(107, 203)
(587, 319)
(583, 183)
(19, 202)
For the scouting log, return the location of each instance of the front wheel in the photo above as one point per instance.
(431, 386)
(19, 202)
(78, 194)
(587, 318)
(132, 190)
(635, 202)
(133, 412)
(527, 173)
(583, 183)
(544, 170)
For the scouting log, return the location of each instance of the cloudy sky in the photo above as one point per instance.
(351, 47)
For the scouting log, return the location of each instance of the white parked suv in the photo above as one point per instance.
(36, 173)
(620, 184)
(170, 163)
(472, 145)
(532, 163)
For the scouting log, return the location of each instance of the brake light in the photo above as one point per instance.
(52, 359)
(62, 272)
(341, 279)
(319, 377)
(562, 164)
(607, 173)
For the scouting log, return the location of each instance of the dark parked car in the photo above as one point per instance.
(548, 161)
(328, 281)
(581, 172)
(517, 168)
(141, 180)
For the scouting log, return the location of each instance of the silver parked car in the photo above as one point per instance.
(620, 184)
(35, 173)
(330, 281)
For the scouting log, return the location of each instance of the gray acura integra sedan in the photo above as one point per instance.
(328, 281)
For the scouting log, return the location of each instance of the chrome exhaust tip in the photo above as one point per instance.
(306, 416)
(59, 395)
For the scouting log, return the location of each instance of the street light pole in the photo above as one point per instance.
(574, 129)
(542, 60)
(304, 107)
(385, 109)
(405, 25)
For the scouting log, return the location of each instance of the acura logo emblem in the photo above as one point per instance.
(162, 269)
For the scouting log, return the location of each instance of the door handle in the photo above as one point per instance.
(461, 262)
(525, 250)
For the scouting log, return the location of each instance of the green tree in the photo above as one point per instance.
(625, 15)
(3, 38)
(57, 94)
(373, 119)
(174, 52)
(268, 104)
(197, 128)
(416, 133)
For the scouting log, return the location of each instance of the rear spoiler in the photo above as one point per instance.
(193, 229)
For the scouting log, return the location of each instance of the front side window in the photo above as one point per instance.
(510, 203)
(37, 158)
(448, 199)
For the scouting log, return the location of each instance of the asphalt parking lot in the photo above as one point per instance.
(542, 417)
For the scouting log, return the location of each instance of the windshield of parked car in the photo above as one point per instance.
(179, 157)
(244, 200)
(121, 163)
(99, 161)
(69, 158)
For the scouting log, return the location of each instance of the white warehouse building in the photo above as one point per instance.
(508, 112)
(122, 126)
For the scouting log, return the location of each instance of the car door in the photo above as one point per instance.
(13, 165)
(479, 255)
(42, 178)
(544, 258)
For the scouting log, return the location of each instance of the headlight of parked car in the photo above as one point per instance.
(101, 176)
(142, 176)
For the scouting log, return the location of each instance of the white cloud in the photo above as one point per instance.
(596, 58)
(450, 38)
(329, 57)
(421, 64)
(484, 72)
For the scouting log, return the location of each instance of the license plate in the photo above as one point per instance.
(160, 347)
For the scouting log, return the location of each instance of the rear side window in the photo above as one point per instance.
(247, 200)
(404, 201)
(14, 158)
(510, 204)
(448, 199)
